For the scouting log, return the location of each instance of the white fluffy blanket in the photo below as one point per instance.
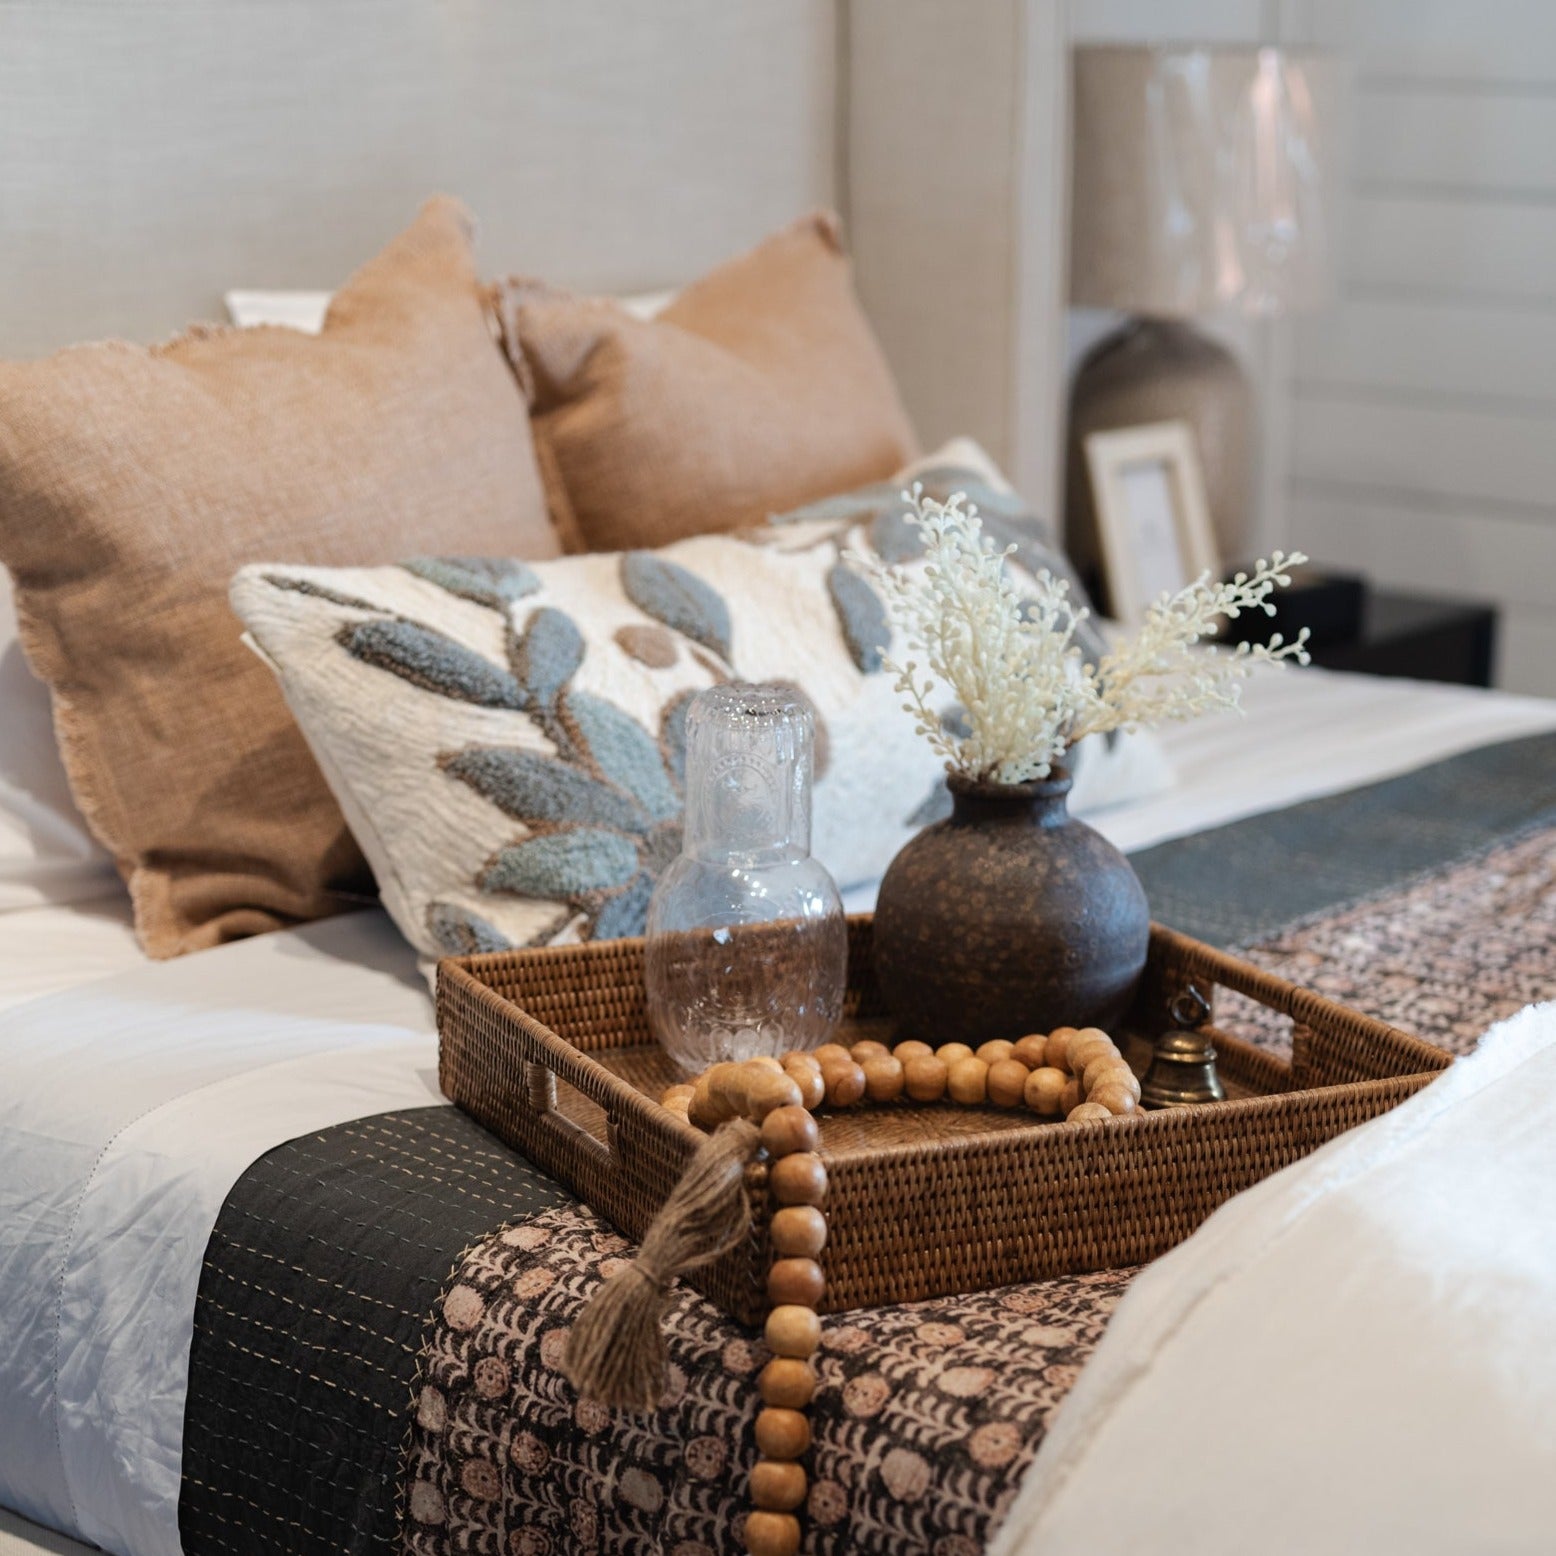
(1357, 1355)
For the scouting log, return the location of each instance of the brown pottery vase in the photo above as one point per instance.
(1008, 917)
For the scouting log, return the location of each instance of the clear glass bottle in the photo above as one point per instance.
(747, 943)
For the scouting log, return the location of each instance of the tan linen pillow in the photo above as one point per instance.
(135, 482)
(758, 388)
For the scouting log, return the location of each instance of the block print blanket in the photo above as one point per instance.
(367, 1425)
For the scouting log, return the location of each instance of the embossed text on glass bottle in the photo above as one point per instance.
(747, 944)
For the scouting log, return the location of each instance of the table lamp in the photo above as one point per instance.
(1203, 179)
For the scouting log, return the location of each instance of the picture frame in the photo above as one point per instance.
(1153, 519)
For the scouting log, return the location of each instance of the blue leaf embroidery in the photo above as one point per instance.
(491, 581)
(548, 654)
(457, 931)
(623, 751)
(862, 616)
(563, 864)
(530, 787)
(669, 593)
(430, 660)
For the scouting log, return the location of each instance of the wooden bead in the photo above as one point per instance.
(1007, 1082)
(866, 1048)
(813, 1087)
(1110, 1069)
(790, 1129)
(1087, 1113)
(772, 1534)
(801, 1057)
(792, 1330)
(1057, 1049)
(1044, 1091)
(1123, 1076)
(777, 1485)
(727, 1083)
(787, 1381)
(797, 1281)
(924, 1078)
(799, 1179)
(798, 1231)
(968, 1081)
(707, 1108)
(765, 1062)
(680, 1107)
(1031, 1050)
(1114, 1098)
(780, 1433)
(768, 1090)
(1070, 1099)
(882, 1077)
(685, 1089)
(844, 1083)
(831, 1053)
(1086, 1046)
(994, 1050)
(949, 1053)
(912, 1049)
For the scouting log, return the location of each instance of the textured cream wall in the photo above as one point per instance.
(156, 152)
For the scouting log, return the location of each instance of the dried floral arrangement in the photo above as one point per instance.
(1008, 654)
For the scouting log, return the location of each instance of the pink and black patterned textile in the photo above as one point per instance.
(927, 1414)
(328, 1413)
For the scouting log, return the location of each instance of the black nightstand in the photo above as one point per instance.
(1354, 627)
(1420, 637)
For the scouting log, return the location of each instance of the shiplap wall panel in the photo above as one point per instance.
(1496, 44)
(1423, 408)
(1484, 350)
(1445, 449)
(1438, 245)
(1481, 143)
(1436, 545)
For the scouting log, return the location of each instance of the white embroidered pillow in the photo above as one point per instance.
(506, 739)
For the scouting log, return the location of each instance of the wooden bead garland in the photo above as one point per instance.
(1077, 1075)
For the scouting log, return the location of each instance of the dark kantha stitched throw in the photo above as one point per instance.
(324, 1263)
(1429, 900)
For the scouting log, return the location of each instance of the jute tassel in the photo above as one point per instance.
(616, 1353)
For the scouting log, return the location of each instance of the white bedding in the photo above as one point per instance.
(135, 1094)
(1399, 1281)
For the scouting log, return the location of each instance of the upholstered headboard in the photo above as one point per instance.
(159, 152)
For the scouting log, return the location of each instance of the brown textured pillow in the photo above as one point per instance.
(134, 483)
(759, 388)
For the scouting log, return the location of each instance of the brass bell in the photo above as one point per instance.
(1183, 1064)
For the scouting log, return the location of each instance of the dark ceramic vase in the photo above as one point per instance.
(1008, 917)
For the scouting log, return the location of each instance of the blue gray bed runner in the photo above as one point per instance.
(330, 1252)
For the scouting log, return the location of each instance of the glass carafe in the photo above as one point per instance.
(747, 944)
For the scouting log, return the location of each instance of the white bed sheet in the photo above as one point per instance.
(135, 1094)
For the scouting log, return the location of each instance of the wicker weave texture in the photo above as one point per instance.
(914, 1211)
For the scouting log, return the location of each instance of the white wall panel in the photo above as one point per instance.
(1423, 409)
(1485, 350)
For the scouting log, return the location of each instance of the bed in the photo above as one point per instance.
(142, 1099)
(234, 1206)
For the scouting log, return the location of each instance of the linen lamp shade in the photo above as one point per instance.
(1202, 179)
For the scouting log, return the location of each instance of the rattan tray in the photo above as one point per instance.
(550, 1050)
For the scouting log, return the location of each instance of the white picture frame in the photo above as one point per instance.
(1152, 516)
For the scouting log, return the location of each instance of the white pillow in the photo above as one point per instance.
(47, 855)
(504, 738)
(1353, 1356)
(305, 310)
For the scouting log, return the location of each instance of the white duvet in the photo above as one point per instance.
(132, 1101)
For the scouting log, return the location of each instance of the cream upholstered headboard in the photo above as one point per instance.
(159, 152)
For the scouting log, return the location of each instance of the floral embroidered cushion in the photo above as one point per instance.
(506, 739)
